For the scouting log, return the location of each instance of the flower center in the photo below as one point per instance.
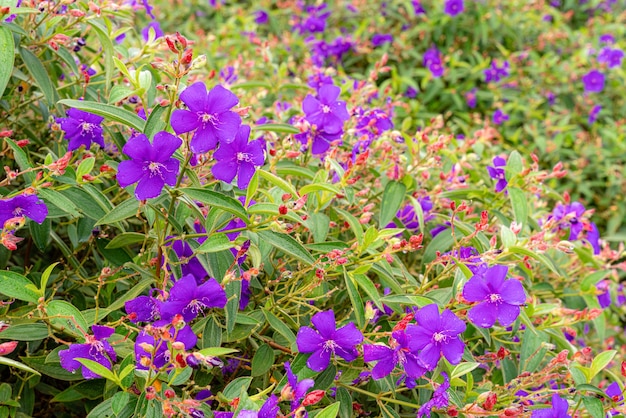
(86, 127)
(325, 108)
(401, 356)
(244, 156)
(494, 298)
(18, 211)
(196, 306)
(330, 345)
(155, 168)
(207, 117)
(439, 337)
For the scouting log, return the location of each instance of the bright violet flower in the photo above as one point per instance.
(610, 56)
(453, 7)
(615, 393)
(470, 98)
(435, 335)
(570, 216)
(593, 115)
(142, 309)
(381, 38)
(209, 115)
(320, 140)
(325, 111)
(154, 25)
(295, 390)
(495, 73)
(327, 339)
(96, 349)
(24, 205)
(191, 264)
(499, 117)
(189, 299)
(439, 400)
(497, 173)
(239, 158)
(81, 128)
(160, 354)
(432, 60)
(261, 17)
(593, 81)
(604, 297)
(558, 410)
(151, 166)
(500, 299)
(593, 236)
(388, 357)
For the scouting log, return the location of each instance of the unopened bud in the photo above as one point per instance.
(7, 348)
(313, 397)
(199, 62)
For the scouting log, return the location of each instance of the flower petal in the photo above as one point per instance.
(453, 350)
(483, 315)
(374, 352)
(205, 139)
(383, 368)
(244, 175)
(309, 340)
(129, 172)
(325, 323)
(348, 336)
(184, 121)
(475, 290)
(507, 314)
(512, 292)
(319, 360)
(220, 100)
(195, 97)
(227, 126)
(149, 187)
(138, 148)
(225, 170)
(429, 356)
(428, 316)
(166, 144)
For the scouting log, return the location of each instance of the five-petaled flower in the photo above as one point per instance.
(435, 335)
(388, 357)
(209, 115)
(96, 348)
(239, 158)
(328, 340)
(81, 128)
(188, 299)
(24, 205)
(440, 398)
(500, 299)
(295, 390)
(325, 111)
(558, 410)
(593, 81)
(453, 7)
(497, 173)
(151, 166)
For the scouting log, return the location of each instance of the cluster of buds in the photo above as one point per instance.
(180, 46)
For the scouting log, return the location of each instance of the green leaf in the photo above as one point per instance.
(343, 396)
(600, 362)
(107, 45)
(84, 168)
(532, 353)
(98, 369)
(125, 239)
(281, 128)
(119, 93)
(53, 370)
(594, 406)
(330, 411)
(355, 300)
(539, 257)
(262, 361)
(593, 279)
(355, 226)
(366, 284)
(319, 187)
(25, 332)
(60, 201)
(39, 73)
(278, 182)
(393, 196)
(217, 200)
(215, 243)
(280, 326)
(89, 389)
(16, 286)
(67, 317)
(217, 351)
(124, 210)
(514, 165)
(519, 202)
(13, 363)
(114, 113)
(288, 245)
(44, 278)
(7, 57)
(155, 122)
(234, 388)
(20, 157)
(463, 369)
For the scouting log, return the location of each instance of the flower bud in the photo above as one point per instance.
(7, 348)
(199, 62)
(313, 397)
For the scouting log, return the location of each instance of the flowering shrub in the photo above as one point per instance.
(360, 209)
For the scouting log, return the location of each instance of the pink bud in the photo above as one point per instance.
(7, 348)
(313, 397)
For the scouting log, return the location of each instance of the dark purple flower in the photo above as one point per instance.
(593, 115)
(470, 98)
(593, 236)
(607, 38)
(188, 299)
(228, 75)
(270, 408)
(320, 140)
(418, 9)
(499, 117)
(189, 263)
(238, 158)
(328, 340)
(615, 393)
(295, 390)
(497, 173)
(381, 38)
(495, 73)
(23, 205)
(604, 297)
(388, 357)
(433, 61)
(315, 20)
(439, 400)
(570, 216)
(155, 353)
(142, 309)
(261, 17)
(151, 164)
(499, 298)
(435, 335)
(411, 92)
(471, 258)
(154, 25)
(81, 128)
(209, 115)
(593, 81)
(453, 7)
(558, 410)
(319, 79)
(325, 111)
(96, 348)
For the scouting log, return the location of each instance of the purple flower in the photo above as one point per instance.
(23, 205)
(435, 335)
(440, 398)
(499, 117)
(151, 165)
(470, 98)
(569, 216)
(81, 128)
(261, 17)
(497, 173)
(500, 299)
(418, 9)
(315, 21)
(154, 25)
(381, 38)
(155, 353)
(209, 115)
(295, 390)
(142, 309)
(325, 111)
(593, 81)
(411, 92)
(238, 158)
(558, 410)
(495, 73)
(593, 236)
(320, 140)
(189, 299)
(593, 115)
(607, 38)
(327, 339)
(604, 297)
(453, 7)
(96, 349)
(388, 358)
(189, 263)
(615, 393)
(432, 60)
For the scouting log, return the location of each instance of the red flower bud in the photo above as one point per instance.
(169, 393)
(491, 401)
(7, 348)
(313, 397)
(624, 368)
